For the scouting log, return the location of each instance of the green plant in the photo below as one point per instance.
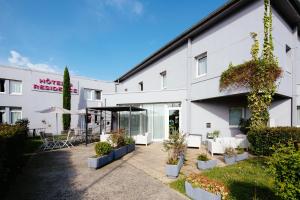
(129, 140)
(117, 138)
(244, 125)
(259, 75)
(179, 185)
(215, 187)
(66, 99)
(230, 152)
(262, 139)
(239, 150)
(284, 165)
(216, 133)
(203, 157)
(172, 160)
(175, 146)
(102, 148)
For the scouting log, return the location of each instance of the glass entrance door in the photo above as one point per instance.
(174, 120)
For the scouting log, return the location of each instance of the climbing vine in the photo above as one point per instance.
(259, 74)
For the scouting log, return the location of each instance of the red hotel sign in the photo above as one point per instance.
(52, 86)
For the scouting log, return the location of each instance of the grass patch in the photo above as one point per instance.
(247, 179)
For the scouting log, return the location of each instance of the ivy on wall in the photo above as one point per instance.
(259, 74)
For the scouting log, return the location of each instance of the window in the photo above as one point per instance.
(201, 65)
(2, 115)
(163, 80)
(235, 115)
(15, 87)
(298, 115)
(88, 94)
(141, 84)
(97, 94)
(15, 115)
(2, 85)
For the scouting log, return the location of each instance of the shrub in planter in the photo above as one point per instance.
(199, 187)
(129, 141)
(284, 165)
(173, 167)
(241, 154)
(262, 139)
(117, 138)
(229, 155)
(104, 155)
(205, 163)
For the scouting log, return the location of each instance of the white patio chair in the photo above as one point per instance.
(48, 144)
(68, 141)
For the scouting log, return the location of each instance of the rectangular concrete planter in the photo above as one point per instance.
(172, 171)
(130, 148)
(98, 162)
(120, 152)
(229, 160)
(206, 164)
(199, 194)
(242, 156)
(181, 160)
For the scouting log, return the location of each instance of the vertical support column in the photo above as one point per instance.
(101, 122)
(129, 122)
(86, 126)
(295, 78)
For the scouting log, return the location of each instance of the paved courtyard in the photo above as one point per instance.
(63, 174)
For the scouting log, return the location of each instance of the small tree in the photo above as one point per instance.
(66, 99)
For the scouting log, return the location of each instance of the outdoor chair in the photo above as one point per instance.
(49, 142)
(68, 141)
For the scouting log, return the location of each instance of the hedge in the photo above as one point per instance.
(261, 140)
(12, 140)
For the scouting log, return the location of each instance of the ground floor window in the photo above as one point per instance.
(235, 115)
(2, 115)
(298, 115)
(15, 115)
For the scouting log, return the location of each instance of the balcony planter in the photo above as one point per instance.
(97, 162)
(229, 159)
(206, 164)
(199, 194)
(130, 148)
(120, 152)
(172, 171)
(242, 156)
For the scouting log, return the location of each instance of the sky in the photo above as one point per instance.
(100, 39)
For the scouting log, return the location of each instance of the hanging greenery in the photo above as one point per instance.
(259, 74)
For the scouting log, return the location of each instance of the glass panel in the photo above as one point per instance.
(298, 115)
(158, 121)
(88, 94)
(173, 121)
(202, 66)
(15, 87)
(2, 116)
(2, 85)
(124, 116)
(235, 115)
(98, 95)
(164, 80)
(149, 118)
(15, 116)
(135, 123)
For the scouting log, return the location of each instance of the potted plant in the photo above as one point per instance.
(199, 187)
(215, 134)
(104, 155)
(229, 156)
(175, 146)
(117, 139)
(203, 162)
(129, 141)
(241, 154)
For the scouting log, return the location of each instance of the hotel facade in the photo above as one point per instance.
(179, 84)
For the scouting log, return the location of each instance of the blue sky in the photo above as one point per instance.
(96, 38)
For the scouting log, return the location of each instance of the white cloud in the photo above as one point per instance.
(17, 59)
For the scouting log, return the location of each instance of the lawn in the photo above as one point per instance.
(246, 180)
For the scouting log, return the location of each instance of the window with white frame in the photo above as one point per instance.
(235, 115)
(97, 94)
(15, 115)
(163, 79)
(2, 86)
(88, 93)
(298, 115)
(2, 115)
(15, 87)
(141, 85)
(201, 67)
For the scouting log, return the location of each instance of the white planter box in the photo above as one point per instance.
(199, 194)
(240, 157)
(206, 164)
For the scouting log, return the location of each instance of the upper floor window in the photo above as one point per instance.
(141, 84)
(15, 87)
(2, 85)
(92, 94)
(163, 80)
(201, 67)
(15, 115)
(235, 116)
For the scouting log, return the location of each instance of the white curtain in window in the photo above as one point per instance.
(202, 66)
(2, 116)
(149, 118)
(158, 121)
(298, 115)
(235, 115)
(15, 116)
(15, 87)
